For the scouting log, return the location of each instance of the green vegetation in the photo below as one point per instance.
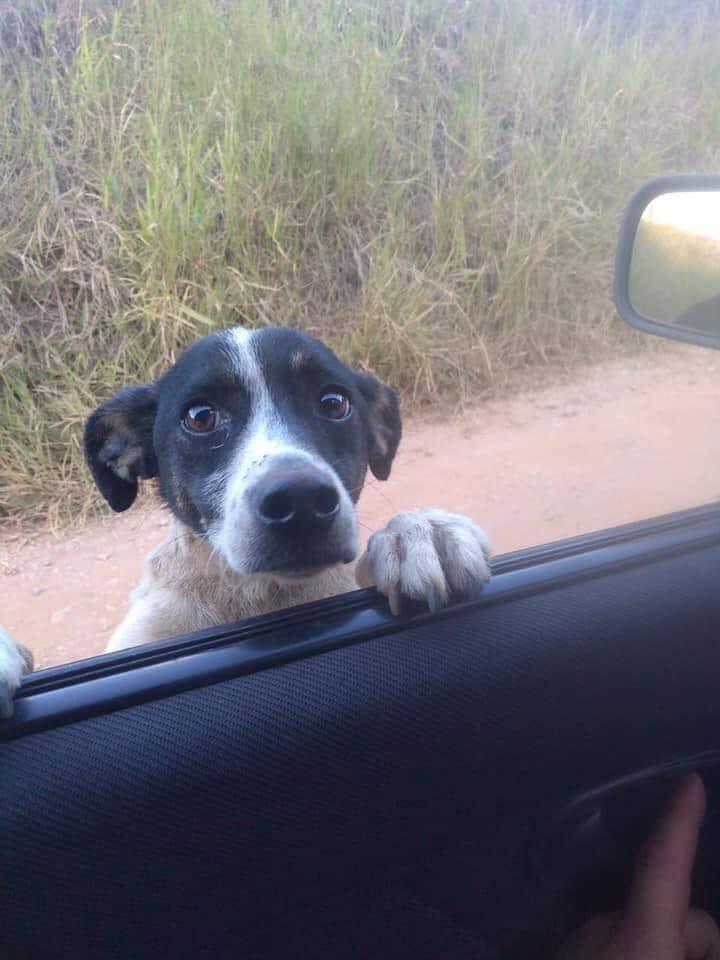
(672, 270)
(432, 185)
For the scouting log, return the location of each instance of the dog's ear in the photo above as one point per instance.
(384, 425)
(119, 447)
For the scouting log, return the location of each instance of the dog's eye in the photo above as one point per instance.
(201, 418)
(335, 405)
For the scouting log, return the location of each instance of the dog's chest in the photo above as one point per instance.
(184, 566)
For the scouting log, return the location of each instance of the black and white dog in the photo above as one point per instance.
(261, 441)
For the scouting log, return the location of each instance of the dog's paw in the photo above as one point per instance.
(425, 556)
(15, 661)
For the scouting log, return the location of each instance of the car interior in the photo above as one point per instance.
(331, 781)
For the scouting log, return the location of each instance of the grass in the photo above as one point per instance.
(434, 186)
(673, 270)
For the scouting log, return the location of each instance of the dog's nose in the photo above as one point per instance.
(300, 499)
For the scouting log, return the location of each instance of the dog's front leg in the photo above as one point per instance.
(15, 661)
(426, 556)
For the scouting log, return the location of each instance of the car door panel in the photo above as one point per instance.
(226, 797)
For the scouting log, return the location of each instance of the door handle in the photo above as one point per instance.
(596, 839)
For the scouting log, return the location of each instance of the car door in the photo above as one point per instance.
(333, 781)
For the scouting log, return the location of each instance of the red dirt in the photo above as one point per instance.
(613, 444)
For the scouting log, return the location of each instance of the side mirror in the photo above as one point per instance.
(667, 271)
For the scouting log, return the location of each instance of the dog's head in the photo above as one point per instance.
(261, 441)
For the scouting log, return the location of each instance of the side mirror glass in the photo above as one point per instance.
(667, 275)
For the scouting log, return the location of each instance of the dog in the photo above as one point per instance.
(260, 442)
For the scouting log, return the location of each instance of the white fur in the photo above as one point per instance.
(425, 555)
(15, 662)
(186, 586)
(267, 439)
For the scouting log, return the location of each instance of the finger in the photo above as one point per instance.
(598, 938)
(593, 940)
(702, 937)
(660, 896)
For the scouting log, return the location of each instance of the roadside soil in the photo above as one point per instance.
(608, 445)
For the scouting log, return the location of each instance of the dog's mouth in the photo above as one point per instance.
(296, 574)
(305, 567)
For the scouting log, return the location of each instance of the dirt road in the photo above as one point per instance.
(613, 444)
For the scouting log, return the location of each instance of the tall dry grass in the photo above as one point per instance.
(432, 185)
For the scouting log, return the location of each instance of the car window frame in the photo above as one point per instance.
(75, 691)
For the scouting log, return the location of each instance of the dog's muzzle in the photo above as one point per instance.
(299, 519)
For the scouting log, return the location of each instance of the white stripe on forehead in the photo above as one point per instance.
(266, 434)
(238, 347)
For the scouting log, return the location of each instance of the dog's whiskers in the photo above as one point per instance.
(372, 484)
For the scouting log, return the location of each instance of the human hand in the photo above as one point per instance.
(657, 923)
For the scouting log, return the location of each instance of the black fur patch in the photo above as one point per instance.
(140, 433)
(119, 447)
(384, 424)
